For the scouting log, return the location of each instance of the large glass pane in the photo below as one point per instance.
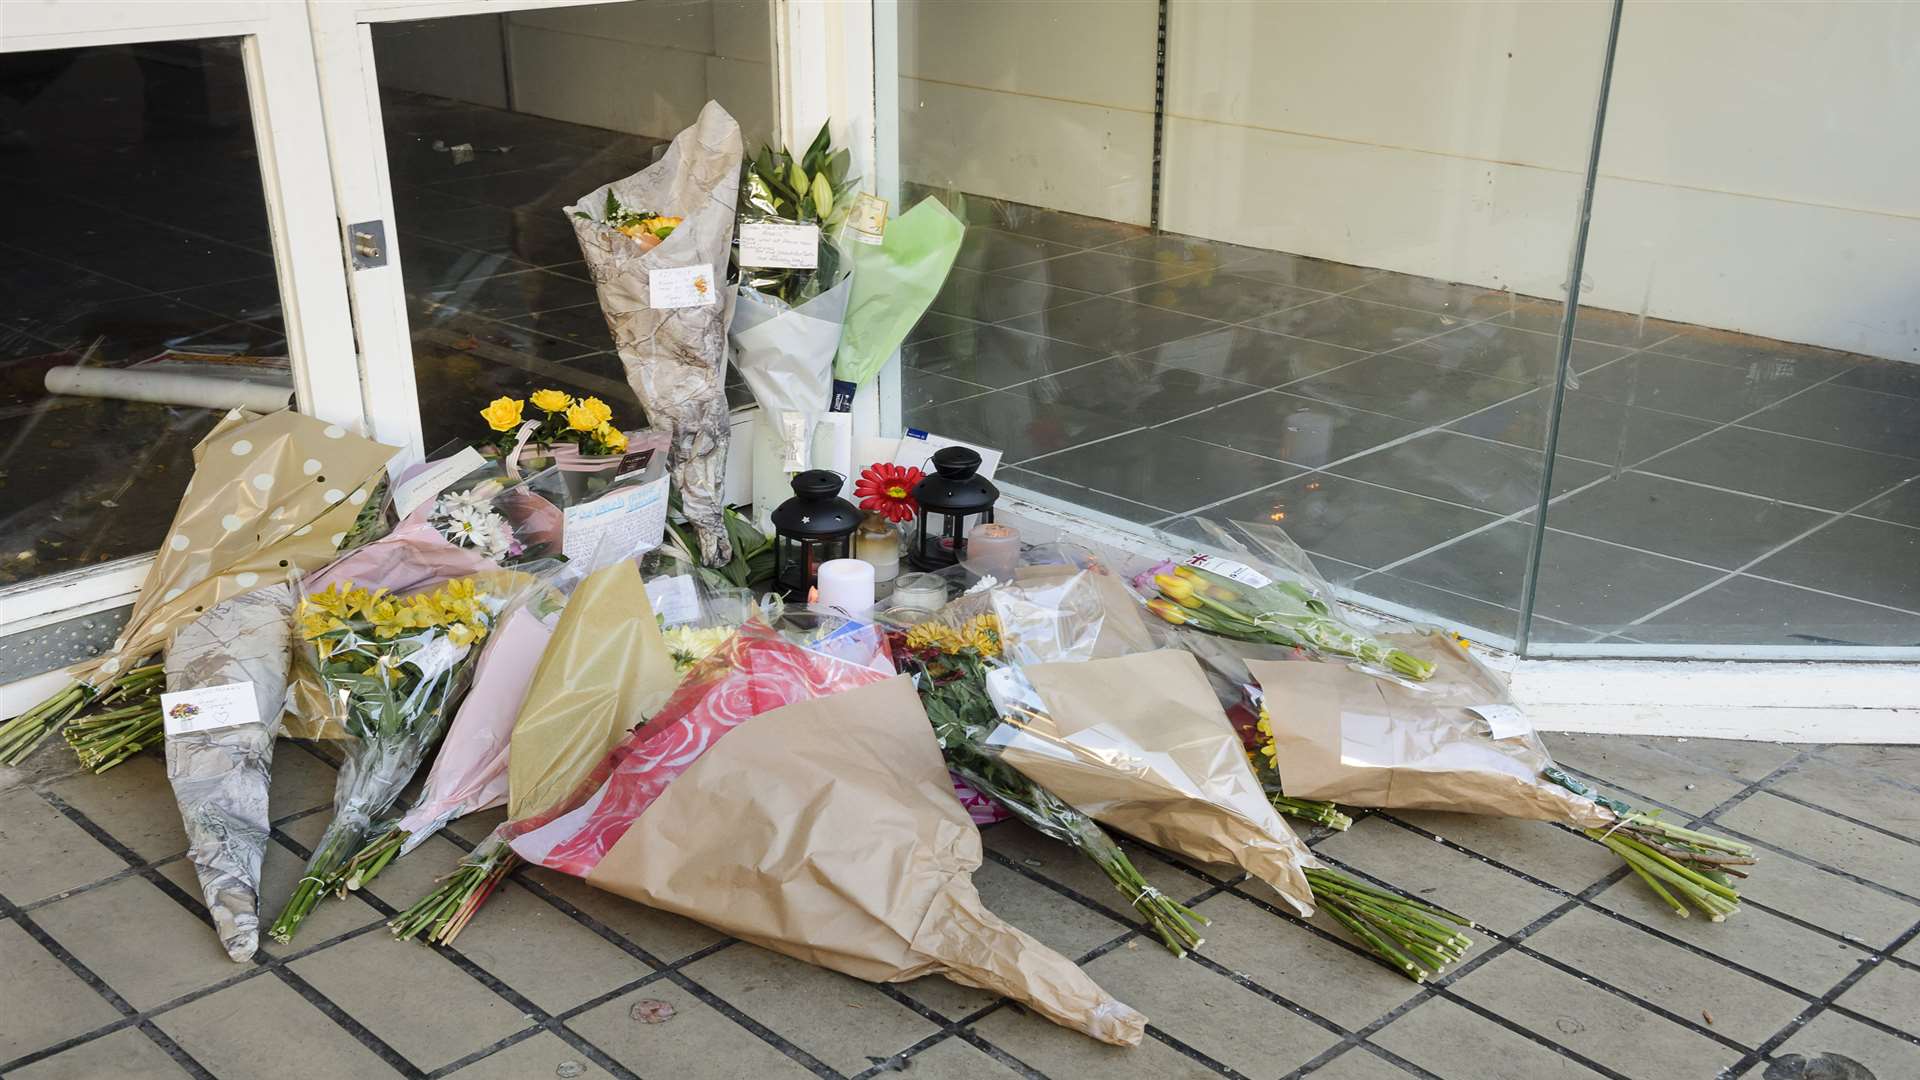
(1304, 272)
(493, 123)
(134, 238)
(1737, 459)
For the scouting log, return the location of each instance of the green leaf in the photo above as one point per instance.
(837, 166)
(820, 141)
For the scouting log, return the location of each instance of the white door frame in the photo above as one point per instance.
(285, 104)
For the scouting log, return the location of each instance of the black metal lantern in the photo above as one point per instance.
(953, 498)
(813, 527)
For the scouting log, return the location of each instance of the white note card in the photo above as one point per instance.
(681, 286)
(427, 484)
(789, 247)
(209, 707)
(917, 447)
(1505, 721)
(628, 519)
(674, 599)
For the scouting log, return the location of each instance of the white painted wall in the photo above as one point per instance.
(1047, 102)
(642, 68)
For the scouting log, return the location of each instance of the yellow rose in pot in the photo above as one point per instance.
(503, 414)
(552, 401)
(581, 418)
(612, 438)
(598, 408)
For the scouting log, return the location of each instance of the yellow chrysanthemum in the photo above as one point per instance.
(597, 408)
(1269, 754)
(503, 414)
(932, 635)
(581, 418)
(552, 401)
(982, 635)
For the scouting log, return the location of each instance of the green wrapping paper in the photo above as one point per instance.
(894, 281)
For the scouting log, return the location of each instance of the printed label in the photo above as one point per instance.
(438, 476)
(786, 247)
(209, 707)
(438, 655)
(1505, 721)
(627, 521)
(681, 287)
(674, 599)
(1227, 568)
(633, 463)
(867, 221)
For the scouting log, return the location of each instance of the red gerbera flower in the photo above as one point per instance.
(888, 488)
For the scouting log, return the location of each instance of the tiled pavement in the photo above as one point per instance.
(112, 970)
(1710, 489)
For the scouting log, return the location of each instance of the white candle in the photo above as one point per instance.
(921, 592)
(848, 585)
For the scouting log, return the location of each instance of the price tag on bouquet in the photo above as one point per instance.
(1504, 721)
(681, 287)
(1227, 568)
(783, 247)
(187, 711)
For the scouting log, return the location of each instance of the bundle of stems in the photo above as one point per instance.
(953, 691)
(1680, 864)
(314, 884)
(445, 911)
(1277, 613)
(1314, 810)
(366, 864)
(23, 734)
(1411, 936)
(121, 721)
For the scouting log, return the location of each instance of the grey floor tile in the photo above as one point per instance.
(1094, 272)
(1561, 857)
(133, 802)
(1162, 469)
(1694, 388)
(1222, 296)
(697, 1043)
(1113, 325)
(263, 1028)
(1582, 581)
(542, 1055)
(1682, 982)
(1087, 498)
(1659, 772)
(45, 1002)
(993, 297)
(995, 355)
(1829, 841)
(176, 953)
(1889, 994)
(1307, 273)
(1458, 468)
(956, 1059)
(1601, 1026)
(1752, 938)
(1455, 1043)
(126, 1054)
(1831, 1033)
(1686, 521)
(1443, 297)
(1749, 611)
(1488, 348)
(1865, 914)
(1359, 1063)
(838, 1019)
(1857, 793)
(1900, 377)
(1591, 428)
(520, 935)
(1863, 419)
(1291, 428)
(1018, 426)
(1068, 868)
(1356, 522)
(1072, 930)
(923, 389)
(1750, 351)
(1357, 324)
(1133, 391)
(993, 249)
(1796, 470)
(380, 984)
(1300, 965)
(1856, 557)
(1901, 505)
(46, 853)
(1251, 356)
(663, 935)
(1056, 1052)
(1899, 762)
(1210, 1012)
(1486, 894)
(1400, 386)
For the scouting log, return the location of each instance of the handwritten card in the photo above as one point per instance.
(210, 707)
(795, 247)
(681, 287)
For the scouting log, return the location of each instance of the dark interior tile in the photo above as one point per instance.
(921, 389)
(511, 296)
(161, 258)
(1748, 611)
(429, 265)
(253, 298)
(1288, 269)
(1094, 272)
(1583, 582)
(1162, 469)
(992, 249)
(1784, 467)
(1521, 355)
(1134, 391)
(1294, 429)
(1097, 501)
(1593, 324)
(1452, 611)
(1251, 356)
(558, 334)
(1692, 387)
(1401, 386)
(995, 356)
(1357, 324)
(1884, 423)
(1346, 519)
(1591, 428)
(1780, 359)
(993, 297)
(1222, 296)
(1856, 557)
(1188, 252)
(1447, 298)
(936, 324)
(1113, 325)
(1061, 227)
(1485, 475)
(1687, 521)
(1900, 377)
(1018, 426)
(1901, 505)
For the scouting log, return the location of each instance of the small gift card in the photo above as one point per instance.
(1505, 721)
(867, 221)
(209, 707)
(427, 484)
(681, 286)
(793, 247)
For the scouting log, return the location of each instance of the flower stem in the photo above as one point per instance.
(1322, 813)
(1408, 935)
(445, 911)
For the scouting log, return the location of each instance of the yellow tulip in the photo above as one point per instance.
(581, 418)
(503, 414)
(552, 401)
(1177, 589)
(1167, 610)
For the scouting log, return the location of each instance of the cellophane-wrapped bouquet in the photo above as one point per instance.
(393, 668)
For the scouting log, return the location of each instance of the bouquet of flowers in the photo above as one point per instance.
(585, 424)
(393, 668)
(795, 800)
(643, 227)
(782, 187)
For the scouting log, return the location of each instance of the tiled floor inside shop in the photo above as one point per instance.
(112, 968)
(1711, 488)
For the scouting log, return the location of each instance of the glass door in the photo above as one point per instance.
(169, 251)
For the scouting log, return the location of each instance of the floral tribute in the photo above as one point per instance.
(586, 422)
(888, 489)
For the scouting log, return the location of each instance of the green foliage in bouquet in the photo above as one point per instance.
(798, 189)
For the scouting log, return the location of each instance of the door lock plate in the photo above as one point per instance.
(367, 244)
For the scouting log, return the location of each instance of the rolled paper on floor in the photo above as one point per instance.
(168, 388)
(847, 584)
